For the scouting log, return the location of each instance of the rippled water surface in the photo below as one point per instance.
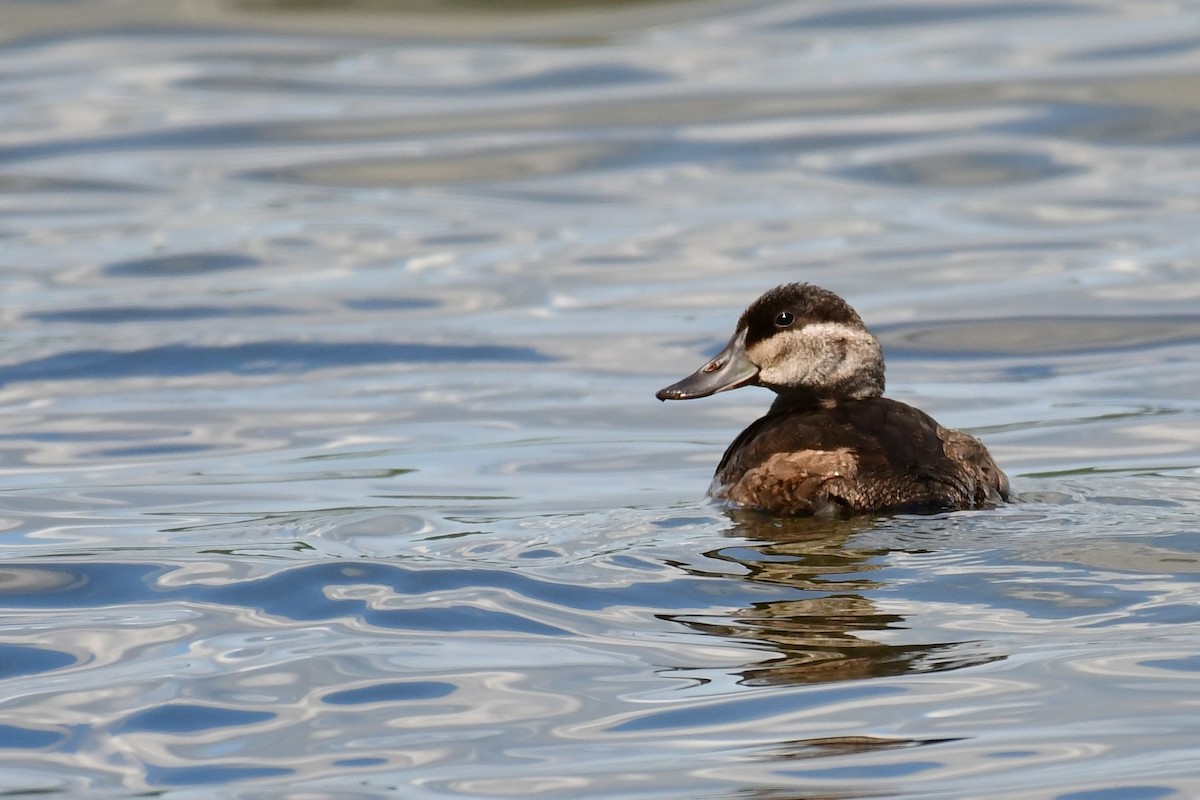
(330, 464)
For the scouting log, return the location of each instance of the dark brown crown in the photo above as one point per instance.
(806, 302)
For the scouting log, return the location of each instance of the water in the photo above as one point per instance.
(330, 464)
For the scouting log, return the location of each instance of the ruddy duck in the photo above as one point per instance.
(831, 443)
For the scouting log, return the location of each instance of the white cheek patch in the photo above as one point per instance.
(823, 354)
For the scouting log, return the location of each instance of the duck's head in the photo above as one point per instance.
(801, 341)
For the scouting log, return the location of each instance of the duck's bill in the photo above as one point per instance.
(730, 369)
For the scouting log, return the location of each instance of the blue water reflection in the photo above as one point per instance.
(269, 357)
(18, 660)
(180, 718)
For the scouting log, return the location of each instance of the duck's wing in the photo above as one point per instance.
(991, 484)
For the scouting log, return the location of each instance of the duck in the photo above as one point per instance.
(831, 444)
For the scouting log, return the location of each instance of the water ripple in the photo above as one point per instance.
(269, 357)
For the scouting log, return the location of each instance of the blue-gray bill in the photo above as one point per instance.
(729, 369)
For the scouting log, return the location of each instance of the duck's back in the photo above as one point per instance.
(872, 454)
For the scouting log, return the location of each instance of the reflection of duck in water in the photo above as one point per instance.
(813, 609)
(831, 443)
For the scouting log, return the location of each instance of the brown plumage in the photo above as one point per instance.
(831, 443)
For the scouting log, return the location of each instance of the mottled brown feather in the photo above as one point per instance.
(848, 456)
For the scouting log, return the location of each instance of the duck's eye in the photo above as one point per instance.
(784, 319)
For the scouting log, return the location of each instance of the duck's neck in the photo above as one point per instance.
(800, 399)
(794, 400)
